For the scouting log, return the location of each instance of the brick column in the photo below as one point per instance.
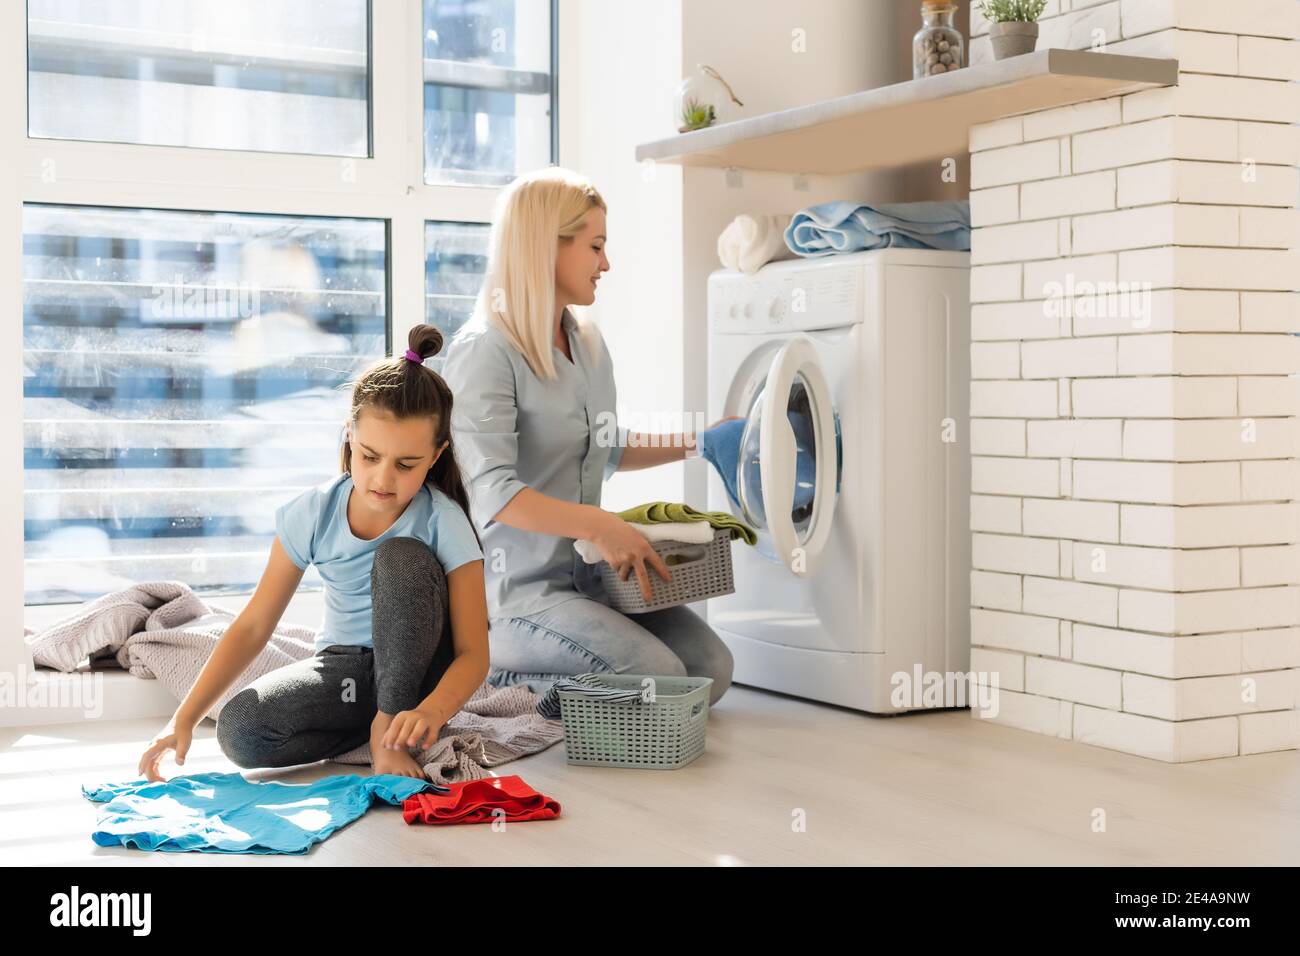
(1133, 472)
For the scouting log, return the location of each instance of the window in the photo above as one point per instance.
(181, 372)
(193, 315)
(455, 262)
(488, 93)
(287, 75)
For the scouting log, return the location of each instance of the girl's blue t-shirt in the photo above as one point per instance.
(313, 529)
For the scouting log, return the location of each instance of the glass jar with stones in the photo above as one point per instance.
(937, 46)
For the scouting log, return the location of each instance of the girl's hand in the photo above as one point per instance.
(626, 549)
(171, 737)
(412, 728)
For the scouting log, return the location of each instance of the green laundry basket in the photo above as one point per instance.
(662, 734)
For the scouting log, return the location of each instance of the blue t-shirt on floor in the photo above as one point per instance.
(224, 813)
(313, 529)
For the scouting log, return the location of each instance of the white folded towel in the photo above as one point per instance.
(688, 532)
(750, 242)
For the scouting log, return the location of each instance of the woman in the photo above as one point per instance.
(534, 404)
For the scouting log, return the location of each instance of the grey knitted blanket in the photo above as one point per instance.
(161, 630)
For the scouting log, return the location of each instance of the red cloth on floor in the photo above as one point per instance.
(473, 801)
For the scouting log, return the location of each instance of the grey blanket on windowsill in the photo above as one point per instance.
(161, 630)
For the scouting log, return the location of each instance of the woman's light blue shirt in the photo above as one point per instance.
(512, 430)
(313, 529)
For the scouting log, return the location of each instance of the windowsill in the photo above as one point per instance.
(117, 694)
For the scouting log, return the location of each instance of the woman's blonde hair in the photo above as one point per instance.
(533, 213)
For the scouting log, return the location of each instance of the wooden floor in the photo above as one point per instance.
(920, 789)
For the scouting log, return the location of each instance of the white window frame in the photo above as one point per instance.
(389, 185)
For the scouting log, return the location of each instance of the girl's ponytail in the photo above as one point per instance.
(409, 389)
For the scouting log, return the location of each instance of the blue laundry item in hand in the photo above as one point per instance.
(720, 446)
(224, 813)
(840, 226)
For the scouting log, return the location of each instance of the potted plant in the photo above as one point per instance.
(704, 99)
(1013, 25)
(696, 115)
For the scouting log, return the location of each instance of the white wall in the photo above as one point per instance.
(664, 220)
(614, 87)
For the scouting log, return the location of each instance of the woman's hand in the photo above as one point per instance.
(174, 736)
(697, 440)
(626, 550)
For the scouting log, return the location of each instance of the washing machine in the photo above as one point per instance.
(852, 373)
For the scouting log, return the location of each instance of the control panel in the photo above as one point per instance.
(787, 297)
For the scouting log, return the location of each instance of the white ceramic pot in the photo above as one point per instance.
(1012, 38)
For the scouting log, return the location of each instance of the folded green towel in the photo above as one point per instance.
(660, 512)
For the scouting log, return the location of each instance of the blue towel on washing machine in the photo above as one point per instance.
(840, 226)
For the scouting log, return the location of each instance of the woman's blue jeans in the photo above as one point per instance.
(584, 636)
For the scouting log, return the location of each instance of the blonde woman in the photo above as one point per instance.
(532, 428)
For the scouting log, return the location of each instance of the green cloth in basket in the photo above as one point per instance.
(660, 512)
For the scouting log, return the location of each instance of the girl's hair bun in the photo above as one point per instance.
(425, 340)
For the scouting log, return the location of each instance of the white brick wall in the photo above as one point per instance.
(1136, 536)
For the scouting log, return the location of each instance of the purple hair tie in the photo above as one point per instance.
(413, 356)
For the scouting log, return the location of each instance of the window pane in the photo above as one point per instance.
(487, 89)
(283, 76)
(181, 380)
(455, 260)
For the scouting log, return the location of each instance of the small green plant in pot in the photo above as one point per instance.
(1013, 25)
(703, 99)
(696, 115)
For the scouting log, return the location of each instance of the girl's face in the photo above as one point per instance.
(580, 261)
(390, 458)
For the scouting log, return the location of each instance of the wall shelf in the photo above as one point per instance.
(912, 121)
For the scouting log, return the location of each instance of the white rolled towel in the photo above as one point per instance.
(688, 532)
(752, 241)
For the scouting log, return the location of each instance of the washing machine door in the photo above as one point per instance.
(789, 460)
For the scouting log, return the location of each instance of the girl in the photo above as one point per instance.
(535, 397)
(402, 566)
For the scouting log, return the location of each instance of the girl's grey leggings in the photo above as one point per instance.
(323, 706)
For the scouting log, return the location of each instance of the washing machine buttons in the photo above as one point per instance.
(776, 311)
